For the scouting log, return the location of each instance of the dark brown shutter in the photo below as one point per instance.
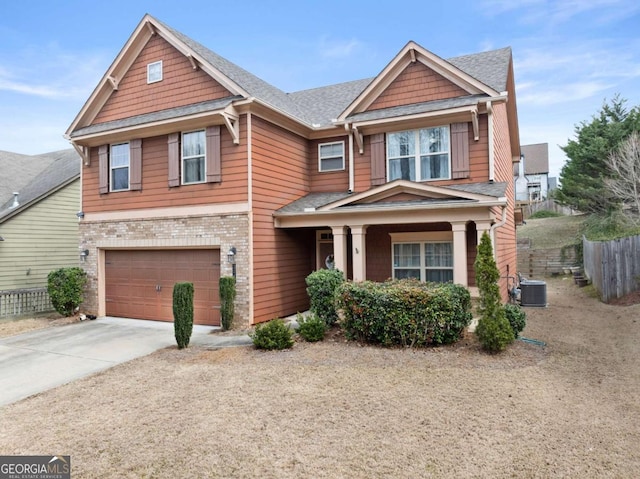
(378, 160)
(459, 150)
(135, 172)
(213, 155)
(103, 171)
(174, 159)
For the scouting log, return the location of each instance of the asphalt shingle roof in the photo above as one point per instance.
(18, 170)
(63, 166)
(536, 158)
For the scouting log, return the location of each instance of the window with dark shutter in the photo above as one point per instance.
(174, 159)
(213, 155)
(103, 171)
(135, 182)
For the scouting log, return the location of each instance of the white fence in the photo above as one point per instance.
(24, 302)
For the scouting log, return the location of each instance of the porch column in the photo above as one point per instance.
(340, 248)
(460, 253)
(481, 227)
(358, 238)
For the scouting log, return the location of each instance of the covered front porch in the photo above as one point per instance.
(399, 230)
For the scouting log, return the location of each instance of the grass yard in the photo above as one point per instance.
(340, 410)
(548, 233)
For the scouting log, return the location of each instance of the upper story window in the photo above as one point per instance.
(119, 162)
(331, 156)
(419, 155)
(154, 72)
(193, 157)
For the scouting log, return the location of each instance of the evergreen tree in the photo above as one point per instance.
(583, 177)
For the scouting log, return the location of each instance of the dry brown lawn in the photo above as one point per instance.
(11, 327)
(339, 410)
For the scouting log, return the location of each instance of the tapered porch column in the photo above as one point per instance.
(358, 238)
(340, 248)
(460, 253)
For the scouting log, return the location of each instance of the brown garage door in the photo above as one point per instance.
(139, 284)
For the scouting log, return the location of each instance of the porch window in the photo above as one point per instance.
(426, 261)
(419, 155)
(331, 156)
(193, 157)
(119, 167)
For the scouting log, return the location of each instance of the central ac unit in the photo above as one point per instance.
(533, 293)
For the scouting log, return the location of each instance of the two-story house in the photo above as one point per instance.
(195, 168)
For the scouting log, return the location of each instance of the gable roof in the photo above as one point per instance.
(17, 170)
(315, 108)
(63, 168)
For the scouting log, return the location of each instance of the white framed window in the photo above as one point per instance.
(419, 155)
(154, 72)
(423, 256)
(193, 157)
(119, 162)
(331, 156)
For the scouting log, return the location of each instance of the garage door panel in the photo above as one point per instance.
(132, 278)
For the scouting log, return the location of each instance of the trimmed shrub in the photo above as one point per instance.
(404, 312)
(311, 328)
(65, 287)
(493, 331)
(227, 297)
(183, 313)
(272, 335)
(321, 288)
(517, 318)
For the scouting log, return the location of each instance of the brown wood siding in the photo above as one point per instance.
(505, 236)
(362, 167)
(181, 85)
(155, 173)
(139, 284)
(281, 258)
(379, 262)
(328, 180)
(417, 83)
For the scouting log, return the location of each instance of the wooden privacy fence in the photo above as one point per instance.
(23, 302)
(613, 266)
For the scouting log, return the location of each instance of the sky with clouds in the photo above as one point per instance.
(569, 55)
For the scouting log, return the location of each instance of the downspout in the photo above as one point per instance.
(490, 132)
(351, 161)
(495, 226)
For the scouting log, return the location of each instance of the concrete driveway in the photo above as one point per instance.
(39, 360)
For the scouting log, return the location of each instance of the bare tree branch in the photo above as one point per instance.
(624, 184)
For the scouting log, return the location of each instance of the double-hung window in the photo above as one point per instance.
(419, 155)
(193, 157)
(119, 162)
(422, 259)
(331, 156)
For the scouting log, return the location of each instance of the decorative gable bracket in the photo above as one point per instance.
(231, 121)
(359, 139)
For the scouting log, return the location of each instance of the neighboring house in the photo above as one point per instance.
(532, 173)
(38, 225)
(195, 168)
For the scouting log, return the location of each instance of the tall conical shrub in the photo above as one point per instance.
(493, 330)
(227, 297)
(183, 313)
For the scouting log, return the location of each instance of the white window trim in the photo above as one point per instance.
(421, 238)
(320, 158)
(111, 168)
(417, 155)
(149, 67)
(182, 158)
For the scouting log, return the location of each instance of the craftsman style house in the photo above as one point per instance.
(194, 168)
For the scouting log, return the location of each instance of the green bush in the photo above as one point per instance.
(272, 335)
(311, 328)
(65, 287)
(493, 330)
(227, 297)
(544, 214)
(404, 312)
(183, 313)
(321, 288)
(517, 318)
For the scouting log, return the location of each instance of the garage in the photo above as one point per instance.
(139, 283)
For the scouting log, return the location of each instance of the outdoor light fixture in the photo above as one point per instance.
(231, 258)
(1, 238)
(83, 254)
(80, 214)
